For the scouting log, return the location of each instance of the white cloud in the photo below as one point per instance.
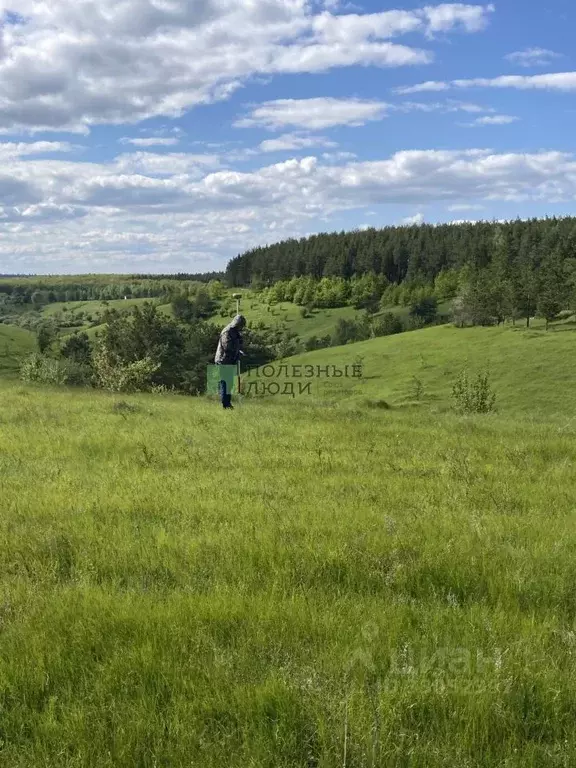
(415, 220)
(327, 112)
(559, 81)
(57, 214)
(19, 149)
(532, 57)
(447, 106)
(171, 164)
(153, 141)
(429, 85)
(314, 114)
(443, 18)
(74, 64)
(293, 141)
(495, 120)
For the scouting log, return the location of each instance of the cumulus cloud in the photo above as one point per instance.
(559, 81)
(68, 65)
(20, 149)
(293, 141)
(74, 215)
(313, 114)
(445, 17)
(415, 220)
(532, 57)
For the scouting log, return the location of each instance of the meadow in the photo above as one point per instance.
(300, 582)
(15, 344)
(532, 370)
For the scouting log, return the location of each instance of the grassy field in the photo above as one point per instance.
(15, 343)
(531, 370)
(295, 583)
(90, 306)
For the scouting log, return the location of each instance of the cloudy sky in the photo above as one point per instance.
(167, 135)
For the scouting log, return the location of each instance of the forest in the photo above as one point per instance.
(416, 253)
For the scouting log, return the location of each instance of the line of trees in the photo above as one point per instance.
(34, 294)
(368, 291)
(514, 284)
(404, 254)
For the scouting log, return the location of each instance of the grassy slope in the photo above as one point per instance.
(183, 586)
(90, 306)
(320, 324)
(532, 371)
(15, 343)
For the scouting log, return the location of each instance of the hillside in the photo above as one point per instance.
(286, 316)
(15, 343)
(532, 370)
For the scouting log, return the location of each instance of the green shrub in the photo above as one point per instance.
(123, 377)
(474, 396)
(40, 369)
(387, 325)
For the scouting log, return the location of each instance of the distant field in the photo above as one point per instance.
(90, 306)
(15, 343)
(287, 315)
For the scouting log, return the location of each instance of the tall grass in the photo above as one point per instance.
(287, 584)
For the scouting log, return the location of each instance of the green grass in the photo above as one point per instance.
(90, 306)
(15, 344)
(532, 371)
(295, 583)
(321, 323)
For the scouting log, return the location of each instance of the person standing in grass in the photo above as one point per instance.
(228, 354)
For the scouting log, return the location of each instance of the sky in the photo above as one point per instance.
(166, 136)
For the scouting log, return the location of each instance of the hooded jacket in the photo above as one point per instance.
(230, 344)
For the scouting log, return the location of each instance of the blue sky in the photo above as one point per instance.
(171, 135)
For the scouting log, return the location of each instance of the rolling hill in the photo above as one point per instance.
(15, 343)
(532, 370)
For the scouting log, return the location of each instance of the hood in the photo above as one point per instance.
(239, 322)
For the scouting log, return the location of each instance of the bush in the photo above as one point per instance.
(424, 310)
(350, 331)
(76, 374)
(40, 369)
(387, 325)
(473, 396)
(128, 377)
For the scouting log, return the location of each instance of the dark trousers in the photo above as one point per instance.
(225, 398)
